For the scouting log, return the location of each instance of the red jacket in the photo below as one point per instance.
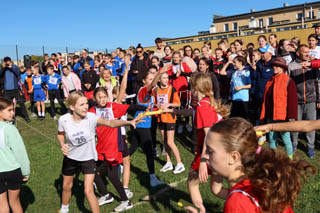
(180, 83)
(315, 63)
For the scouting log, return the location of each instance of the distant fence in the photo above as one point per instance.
(16, 52)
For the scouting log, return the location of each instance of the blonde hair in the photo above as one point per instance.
(105, 69)
(73, 97)
(202, 82)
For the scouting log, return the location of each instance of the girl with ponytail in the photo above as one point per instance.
(207, 112)
(259, 179)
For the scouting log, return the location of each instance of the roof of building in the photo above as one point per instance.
(219, 19)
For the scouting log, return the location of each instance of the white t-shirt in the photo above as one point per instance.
(80, 136)
(315, 52)
(70, 83)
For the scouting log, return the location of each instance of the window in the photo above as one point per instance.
(235, 26)
(270, 21)
(226, 27)
(260, 22)
(311, 15)
(299, 16)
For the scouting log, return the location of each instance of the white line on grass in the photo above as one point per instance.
(35, 129)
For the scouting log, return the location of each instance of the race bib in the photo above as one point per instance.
(105, 113)
(37, 81)
(78, 138)
(53, 80)
(162, 99)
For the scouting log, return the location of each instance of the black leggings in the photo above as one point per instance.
(55, 94)
(142, 136)
(154, 126)
(112, 174)
(239, 109)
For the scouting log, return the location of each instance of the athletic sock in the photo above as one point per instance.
(43, 113)
(39, 114)
(64, 208)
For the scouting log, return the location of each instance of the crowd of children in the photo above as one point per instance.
(163, 89)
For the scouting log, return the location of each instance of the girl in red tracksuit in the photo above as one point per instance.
(259, 179)
(206, 113)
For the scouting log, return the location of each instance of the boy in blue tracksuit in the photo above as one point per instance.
(53, 81)
(39, 96)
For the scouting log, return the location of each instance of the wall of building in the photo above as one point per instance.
(289, 16)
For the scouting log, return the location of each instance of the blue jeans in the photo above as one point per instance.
(273, 136)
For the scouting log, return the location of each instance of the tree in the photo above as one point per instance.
(36, 58)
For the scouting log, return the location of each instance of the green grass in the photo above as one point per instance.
(43, 191)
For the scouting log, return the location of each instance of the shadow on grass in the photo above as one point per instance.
(77, 191)
(26, 197)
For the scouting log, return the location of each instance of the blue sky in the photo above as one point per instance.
(109, 24)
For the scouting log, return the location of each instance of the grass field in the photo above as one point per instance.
(43, 191)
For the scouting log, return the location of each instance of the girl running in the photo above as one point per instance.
(167, 97)
(14, 166)
(206, 113)
(142, 134)
(78, 128)
(260, 179)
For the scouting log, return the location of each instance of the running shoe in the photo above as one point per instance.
(129, 193)
(179, 168)
(167, 167)
(124, 205)
(105, 199)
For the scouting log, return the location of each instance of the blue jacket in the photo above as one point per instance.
(37, 81)
(53, 82)
(11, 77)
(262, 74)
(113, 69)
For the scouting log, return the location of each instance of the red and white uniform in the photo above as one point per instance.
(242, 199)
(108, 138)
(205, 116)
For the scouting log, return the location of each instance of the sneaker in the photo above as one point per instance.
(155, 152)
(33, 115)
(154, 181)
(61, 211)
(124, 205)
(129, 193)
(55, 118)
(167, 167)
(39, 118)
(105, 199)
(188, 127)
(311, 153)
(27, 120)
(180, 129)
(179, 168)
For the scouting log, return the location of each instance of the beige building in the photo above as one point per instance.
(286, 22)
(262, 20)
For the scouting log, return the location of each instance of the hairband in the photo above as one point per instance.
(258, 150)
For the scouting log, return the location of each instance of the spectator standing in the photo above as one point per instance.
(11, 75)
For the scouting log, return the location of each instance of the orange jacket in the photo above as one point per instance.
(280, 95)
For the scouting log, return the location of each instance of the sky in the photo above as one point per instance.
(104, 24)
